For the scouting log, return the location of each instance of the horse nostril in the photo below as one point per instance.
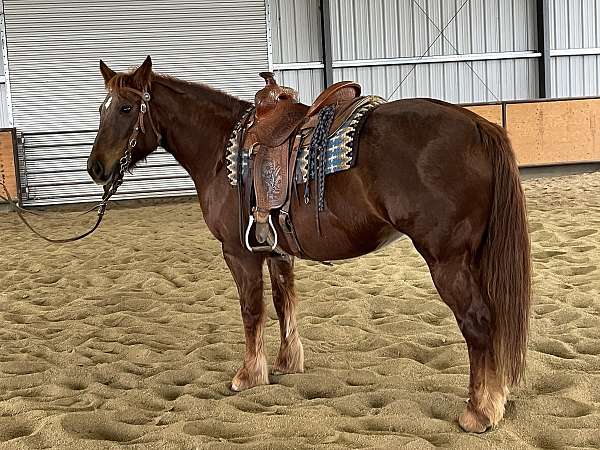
(95, 169)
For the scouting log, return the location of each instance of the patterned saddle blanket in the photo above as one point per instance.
(340, 151)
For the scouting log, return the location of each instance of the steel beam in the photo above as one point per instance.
(576, 51)
(436, 59)
(543, 32)
(325, 8)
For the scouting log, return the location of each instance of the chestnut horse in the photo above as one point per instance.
(435, 172)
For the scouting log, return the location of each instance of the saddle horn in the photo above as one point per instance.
(269, 78)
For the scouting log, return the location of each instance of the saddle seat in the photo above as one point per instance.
(278, 112)
(272, 139)
(335, 94)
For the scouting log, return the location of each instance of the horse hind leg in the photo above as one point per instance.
(290, 358)
(456, 282)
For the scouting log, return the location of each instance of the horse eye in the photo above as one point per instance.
(126, 108)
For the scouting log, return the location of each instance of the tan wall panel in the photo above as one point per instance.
(555, 132)
(493, 113)
(7, 164)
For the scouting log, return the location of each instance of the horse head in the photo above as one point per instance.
(127, 133)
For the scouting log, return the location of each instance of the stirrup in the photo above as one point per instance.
(263, 248)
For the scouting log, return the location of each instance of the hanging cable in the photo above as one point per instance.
(428, 48)
(469, 65)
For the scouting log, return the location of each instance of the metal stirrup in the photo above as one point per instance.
(271, 248)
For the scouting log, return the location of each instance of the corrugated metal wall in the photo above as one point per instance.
(575, 47)
(53, 52)
(378, 42)
(57, 44)
(296, 34)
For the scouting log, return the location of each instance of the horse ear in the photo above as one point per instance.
(142, 73)
(106, 72)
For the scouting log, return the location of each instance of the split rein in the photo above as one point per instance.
(109, 190)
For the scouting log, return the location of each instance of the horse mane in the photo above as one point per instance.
(120, 81)
(193, 89)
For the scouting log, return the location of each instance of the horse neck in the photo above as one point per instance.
(195, 122)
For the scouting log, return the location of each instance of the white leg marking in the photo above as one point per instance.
(287, 327)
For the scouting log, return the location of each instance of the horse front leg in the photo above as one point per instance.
(290, 358)
(246, 269)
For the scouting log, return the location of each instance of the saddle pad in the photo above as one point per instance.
(340, 152)
(234, 161)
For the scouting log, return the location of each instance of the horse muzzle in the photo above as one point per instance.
(99, 172)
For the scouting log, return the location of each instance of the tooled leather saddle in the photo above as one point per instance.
(272, 138)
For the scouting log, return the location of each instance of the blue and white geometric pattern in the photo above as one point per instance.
(340, 152)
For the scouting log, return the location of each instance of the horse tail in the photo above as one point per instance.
(506, 258)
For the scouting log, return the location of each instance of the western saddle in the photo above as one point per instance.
(280, 126)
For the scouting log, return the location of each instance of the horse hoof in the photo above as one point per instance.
(473, 422)
(246, 379)
(290, 358)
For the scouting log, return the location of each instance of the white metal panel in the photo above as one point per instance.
(371, 29)
(297, 49)
(55, 45)
(575, 42)
(576, 76)
(55, 172)
(308, 82)
(371, 38)
(380, 34)
(4, 116)
(296, 31)
(589, 31)
(451, 81)
(53, 50)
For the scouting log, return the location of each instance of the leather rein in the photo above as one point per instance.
(109, 190)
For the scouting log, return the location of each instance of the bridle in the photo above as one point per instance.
(125, 160)
(109, 190)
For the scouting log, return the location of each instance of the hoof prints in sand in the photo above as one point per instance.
(133, 335)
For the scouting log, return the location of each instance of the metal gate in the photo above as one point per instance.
(54, 171)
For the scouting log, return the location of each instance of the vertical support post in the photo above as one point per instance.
(6, 69)
(325, 7)
(269, 19)
(543, 33)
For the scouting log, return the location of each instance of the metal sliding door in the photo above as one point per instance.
(53, 52)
